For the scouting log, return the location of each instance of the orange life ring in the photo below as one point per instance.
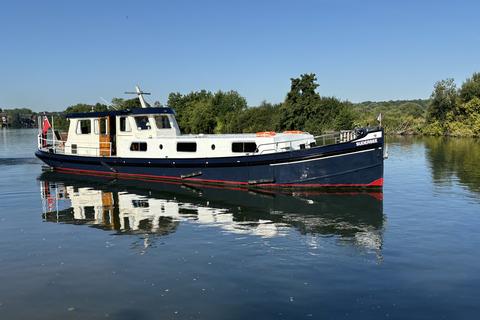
(293, 132)
(266, 134)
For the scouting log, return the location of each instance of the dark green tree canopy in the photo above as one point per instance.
(304, 109)
(204, 111)
(443, 99)
(470, 88)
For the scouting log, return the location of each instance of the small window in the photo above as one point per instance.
(162, 122)
(161, 146)
(89, 212)
(186, 147)
(138, 146)
(213, 147)
(104, 126)
(142, 123)
(125, 125)
(140, 203)
(244, 147)
(100, 125)
(84, 126)
(74, 149)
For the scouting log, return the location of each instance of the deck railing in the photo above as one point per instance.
(86, 149)
(320, 140)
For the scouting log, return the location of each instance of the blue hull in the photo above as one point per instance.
(339, 165)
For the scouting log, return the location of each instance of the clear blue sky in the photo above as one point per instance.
(58, 53)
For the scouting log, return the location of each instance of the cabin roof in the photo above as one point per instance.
(162, 110)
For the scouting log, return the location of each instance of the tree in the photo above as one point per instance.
(301, 101)
(185, 108)
(254, 119)
(443, 100)
(304, 109)
(82, 107)
(122, 104)
(224, 104)
(470, 88)
(213, 109)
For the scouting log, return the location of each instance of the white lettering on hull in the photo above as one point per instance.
(364, 142)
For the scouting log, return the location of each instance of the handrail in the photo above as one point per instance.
(339, 136)
(58, 146)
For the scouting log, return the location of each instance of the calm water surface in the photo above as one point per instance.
(74, 248)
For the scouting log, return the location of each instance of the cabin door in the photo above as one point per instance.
(104, 136)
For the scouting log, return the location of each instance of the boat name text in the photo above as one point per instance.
(364, 142)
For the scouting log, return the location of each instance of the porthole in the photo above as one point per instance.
(213, 147)
(161, 146)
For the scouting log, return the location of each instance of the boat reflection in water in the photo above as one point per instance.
(152, 209)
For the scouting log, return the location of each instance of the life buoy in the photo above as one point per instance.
(293, 132)
(266, 134)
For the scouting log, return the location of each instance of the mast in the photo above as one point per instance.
(140, 94)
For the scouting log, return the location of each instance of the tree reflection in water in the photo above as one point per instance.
(454, 159)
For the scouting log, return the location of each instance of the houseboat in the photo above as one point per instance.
(146, 143)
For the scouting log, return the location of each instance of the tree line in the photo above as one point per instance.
(452, 111)
(448, 111)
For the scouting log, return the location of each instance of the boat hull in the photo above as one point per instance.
(349, 164)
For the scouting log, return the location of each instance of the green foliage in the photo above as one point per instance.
(455, 112)
(19, 117)
(254, 119)
(470, 88)
(122, 104)
(399, 117)
(443, 100)
(448, 112)
(81, 107)
(304, 109)
(206, 112)
(302, 100)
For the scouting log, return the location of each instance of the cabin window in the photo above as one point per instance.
(125, 125)
(140, 203)
(84, 127)
(74, 149)
(162, 122)
(142, 123)
(103, 126)
(186, 147)
(138, 146)
(244, 147)
(100, 125)
(89, 212)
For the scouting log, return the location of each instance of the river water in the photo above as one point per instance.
(73, 247)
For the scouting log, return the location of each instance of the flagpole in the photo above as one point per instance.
(53, 136)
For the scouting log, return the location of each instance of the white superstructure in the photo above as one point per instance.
(154, 133)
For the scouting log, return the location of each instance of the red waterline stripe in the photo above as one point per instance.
(376, 183)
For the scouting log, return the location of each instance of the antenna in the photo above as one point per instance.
(140, 94)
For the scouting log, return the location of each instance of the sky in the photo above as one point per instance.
(54, 54)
